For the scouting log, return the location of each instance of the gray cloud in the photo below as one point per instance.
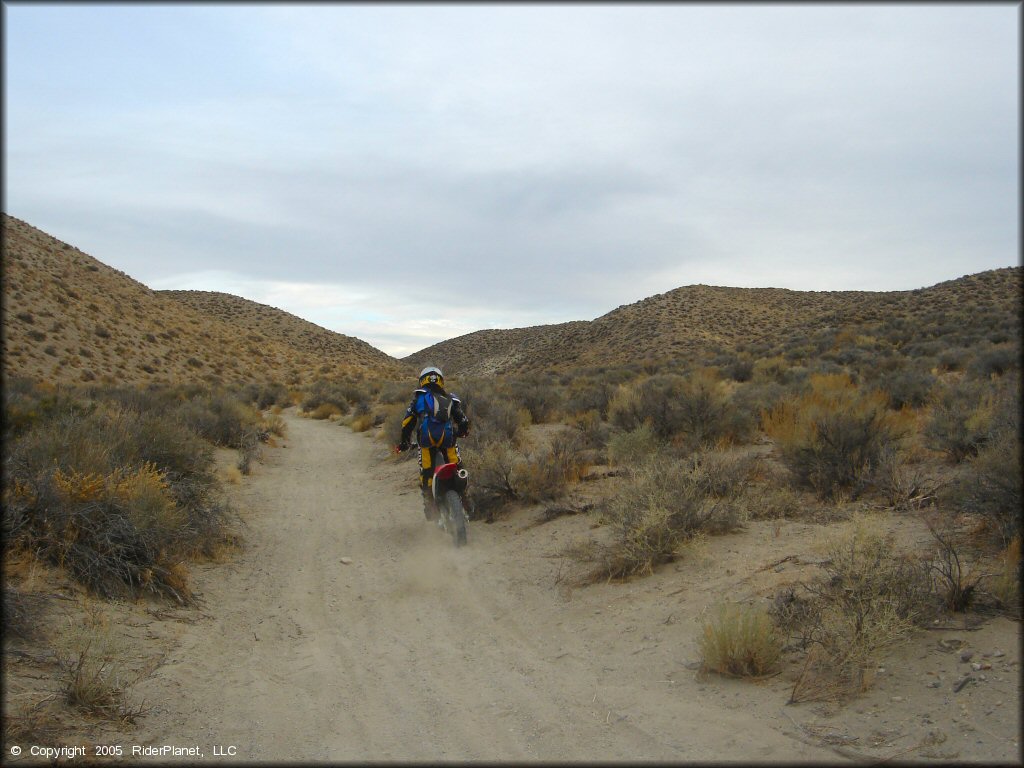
(531, 164)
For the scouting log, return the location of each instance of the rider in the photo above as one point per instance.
(433, 410)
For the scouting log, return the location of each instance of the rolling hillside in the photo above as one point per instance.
(700, 321)
(284, 327)
(68, 317)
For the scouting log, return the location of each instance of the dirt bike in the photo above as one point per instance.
(449, 489)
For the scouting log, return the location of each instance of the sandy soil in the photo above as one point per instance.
(415, 651)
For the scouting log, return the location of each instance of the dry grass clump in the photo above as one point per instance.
(362, 422)
(92, 676)
(871, 599)
(21, 611)
(1004, 585)
(740, 641)
(325, 411)
(832, 436)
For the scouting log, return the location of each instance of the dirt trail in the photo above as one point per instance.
(417, 651)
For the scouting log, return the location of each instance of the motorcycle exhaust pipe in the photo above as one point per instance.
(462, 474)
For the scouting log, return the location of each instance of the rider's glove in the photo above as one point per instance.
(463, 431)
(402, 446)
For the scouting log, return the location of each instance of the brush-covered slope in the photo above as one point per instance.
(700, 321)
(284, 327)
(68, 317)
(492, 351)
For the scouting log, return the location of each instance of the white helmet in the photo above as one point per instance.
(431, 375)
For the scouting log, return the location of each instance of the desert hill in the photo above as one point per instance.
(492, 350)
(284, 327)
(67, 317)
(700, 321)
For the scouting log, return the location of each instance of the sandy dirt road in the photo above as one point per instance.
(417, 651)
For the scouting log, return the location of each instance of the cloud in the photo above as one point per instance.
(428, 168)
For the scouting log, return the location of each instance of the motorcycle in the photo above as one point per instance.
(449, 489)
(449, 492)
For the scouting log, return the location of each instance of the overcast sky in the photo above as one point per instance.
(410, 173)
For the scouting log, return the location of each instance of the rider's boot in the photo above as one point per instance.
(429, 506)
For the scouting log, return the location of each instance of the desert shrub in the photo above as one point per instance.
(503, 421)
(341, 394)
(693, 409)
(925, 351)
(722, 474)
(832, 436)
(27, 403)
(659, 506)
(542, 400)
(89, 682)
(495, 416)
(752, 399)
(952, 359)
(955, 577)
(995, 361)
(741, 369)
(633, 447)
(589, 395)
(851, 358)
(961, 418)
(23, 612)
(907, 387)
(625, 409)
(872, 598)
(768, 369)
(503, 472)
(118, 498)
(594, 432)
(740, 641)
(221, 418)
(771, 502)
(121, 529)
(990, 484)
(394, 415)
(703, 410)
(394, 392)
(904, 485)
(249, 450)
(493, 477)
(543, 474)
(266, 395)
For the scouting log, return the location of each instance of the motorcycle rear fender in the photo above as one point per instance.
(449, 476)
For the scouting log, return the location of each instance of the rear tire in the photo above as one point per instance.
(456, 518)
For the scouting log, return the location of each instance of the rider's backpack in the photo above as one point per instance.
(436, 426)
